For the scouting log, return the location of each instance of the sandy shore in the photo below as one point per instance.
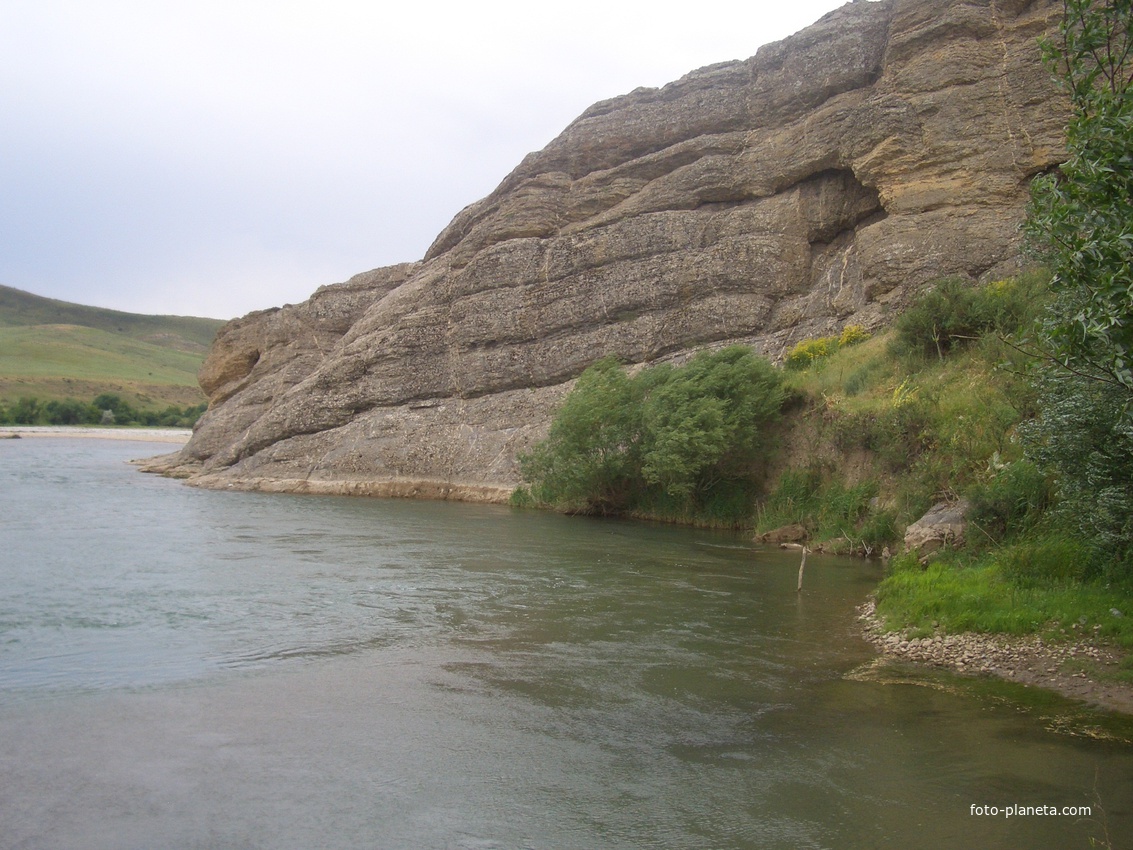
(179, 436)
(1069, 668)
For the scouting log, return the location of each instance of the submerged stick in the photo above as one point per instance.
(802, 566)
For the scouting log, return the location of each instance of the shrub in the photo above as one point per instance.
(1012, 501)
(591, 458)
(852, 335)
(857, 381)
(808, 351)
(880, 529)
(669, 439)
(106, 409)
(1084, 436)
(954, 312)
(705, 422)
(827, 508)
(1045, 563)
(1080, 216)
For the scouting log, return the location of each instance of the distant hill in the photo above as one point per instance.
(53, 349)
(183, 333)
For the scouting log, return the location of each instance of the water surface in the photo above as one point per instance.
(185, 668)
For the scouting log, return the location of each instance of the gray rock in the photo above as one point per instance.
(943, 525)
(818, 184)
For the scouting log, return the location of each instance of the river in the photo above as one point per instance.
(195, 669)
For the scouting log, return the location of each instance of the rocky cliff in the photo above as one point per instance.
(818, 184)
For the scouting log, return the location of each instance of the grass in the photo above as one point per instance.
(828, 508)
(921, 428)
(914, 430)
(956, 596)
(52, 351)
(54, 362)
(184, 333)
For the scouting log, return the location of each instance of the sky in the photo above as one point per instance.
(213, 158)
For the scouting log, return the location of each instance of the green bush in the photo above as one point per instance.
(671, 441)
(1012, 502)
(591, 460)
(880, 529)
(33, 411)
(827, 508)
(1081, 216)
(859, 379)
(903, 433)
(808, 351)
(1045, 563)
(1084, 436)
(794, 500)
(955, 312)
(707, 421)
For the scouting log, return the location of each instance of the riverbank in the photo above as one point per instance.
(178, 436)
(1074, 669)
(172, 466)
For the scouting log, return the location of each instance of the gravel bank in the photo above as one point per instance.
(1068, 667)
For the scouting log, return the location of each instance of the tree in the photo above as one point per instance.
(590, 459)
(1083, 438)
(619, 440)
(1081, 217)
(707, 422)
(1081, 221)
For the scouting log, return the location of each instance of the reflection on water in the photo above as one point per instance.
(202, 669)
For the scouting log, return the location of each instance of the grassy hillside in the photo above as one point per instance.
(181, 333)
(53, 350)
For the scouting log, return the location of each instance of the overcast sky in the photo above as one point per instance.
(212, 158)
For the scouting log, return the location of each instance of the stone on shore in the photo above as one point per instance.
(943, 525)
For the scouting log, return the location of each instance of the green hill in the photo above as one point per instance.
(53, 350)
(182, 333)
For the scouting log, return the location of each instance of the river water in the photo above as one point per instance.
(193, 669)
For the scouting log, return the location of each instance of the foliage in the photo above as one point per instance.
(668, 439)
(706, 421)
(808, 352)
(1011, 502)
(1081, 218)
(954, 312)
(1045, 562)
(852, 335)
(826, 506)
(591, 458)
(1083, 438)
(29, 410)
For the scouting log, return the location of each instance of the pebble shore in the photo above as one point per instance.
(180, 436)
(1068, 667)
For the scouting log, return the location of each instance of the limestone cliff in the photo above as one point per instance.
(818, 184)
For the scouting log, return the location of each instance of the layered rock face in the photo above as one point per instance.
(818, 184)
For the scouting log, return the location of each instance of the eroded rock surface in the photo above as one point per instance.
(818, 184)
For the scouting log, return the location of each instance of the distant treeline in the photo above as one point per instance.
(106, 409)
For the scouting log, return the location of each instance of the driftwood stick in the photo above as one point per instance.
(802, 566)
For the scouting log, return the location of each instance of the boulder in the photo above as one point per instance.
(794, 533)
(943, 525)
